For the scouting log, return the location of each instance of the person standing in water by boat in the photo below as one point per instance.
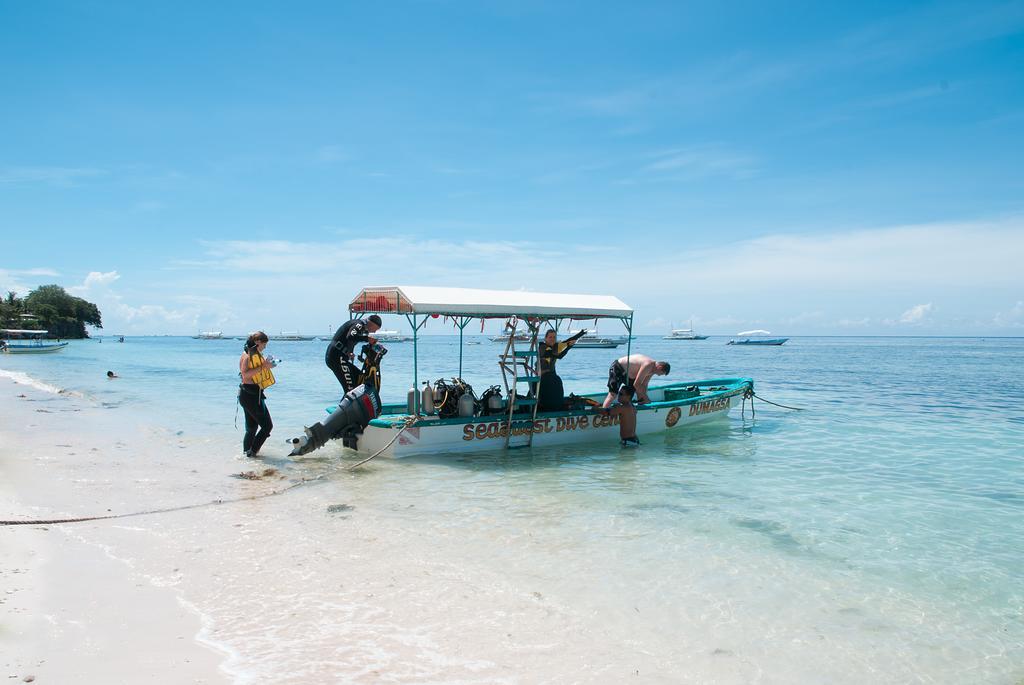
(635, 370)
(626, 411)
(341, 350)
(254, 368)
(549, 351)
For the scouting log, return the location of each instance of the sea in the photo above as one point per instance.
(873, 532)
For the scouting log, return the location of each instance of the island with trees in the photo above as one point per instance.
(50, 308)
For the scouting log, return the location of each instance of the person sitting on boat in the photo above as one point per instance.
(552, 393)
(635, 370)
(256, 377)
(341, 350)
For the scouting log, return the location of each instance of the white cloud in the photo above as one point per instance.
(95, 280)
(60, 176)
(916, 314)
(957, 257)
(99, 278)
(14, 280)
(702, 160)
(1014, 318)
(786, 283)
(789, 284)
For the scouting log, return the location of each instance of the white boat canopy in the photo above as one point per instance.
(758, 331)
(478, 303)
(20, 331)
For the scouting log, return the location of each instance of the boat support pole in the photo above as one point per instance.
(461, 324)
(415, 360)
(629, 343)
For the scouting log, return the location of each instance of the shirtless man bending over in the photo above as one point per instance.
(641, 368)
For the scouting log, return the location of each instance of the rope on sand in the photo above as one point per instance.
(41, 522)
(272, 493)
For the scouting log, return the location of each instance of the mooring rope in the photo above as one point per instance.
(42, 522)
(39, 522)
(750, 395)
(774, 403)
(408, 422)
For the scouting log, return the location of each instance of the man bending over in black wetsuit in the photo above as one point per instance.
(341, 349)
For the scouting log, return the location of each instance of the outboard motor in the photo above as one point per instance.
(357, 408)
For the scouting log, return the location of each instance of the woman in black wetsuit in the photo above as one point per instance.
(256, 377)
(552, 394)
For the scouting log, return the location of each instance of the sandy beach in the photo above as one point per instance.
(73, 610)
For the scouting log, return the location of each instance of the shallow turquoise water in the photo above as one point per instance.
(903, 478)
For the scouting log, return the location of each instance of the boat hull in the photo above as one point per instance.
(432, 436)
(34, 349)
(597, 344)
(770, 341)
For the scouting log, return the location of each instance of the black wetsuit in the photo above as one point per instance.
(340, 352)
(552, 392)
(257, 416)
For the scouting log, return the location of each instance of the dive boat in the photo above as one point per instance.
(19, 341)
(492, 420)
(684, 334)
(756, 337)
(208, 335)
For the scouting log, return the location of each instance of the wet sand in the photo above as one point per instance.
(73, 612)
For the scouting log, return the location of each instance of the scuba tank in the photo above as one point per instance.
(467, 405)
(427, 399)
(411, 400)
(494, 401)
(440, 393)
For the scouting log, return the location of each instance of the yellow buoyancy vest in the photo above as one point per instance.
(264, 378)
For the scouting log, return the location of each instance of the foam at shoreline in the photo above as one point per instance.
(24, 379)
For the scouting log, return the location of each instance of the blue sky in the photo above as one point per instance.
(809, 168)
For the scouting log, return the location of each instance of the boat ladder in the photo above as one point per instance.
(520, 366)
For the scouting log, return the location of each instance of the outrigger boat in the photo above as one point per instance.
(400, 430)
(32, 342)
(759, 338)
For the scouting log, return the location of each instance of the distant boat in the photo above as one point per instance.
(28, 342)
(292, 336)
(391, 336)
(521, 337)
(684, 334)
(756, 337)
(208, 335)
(593, 339)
